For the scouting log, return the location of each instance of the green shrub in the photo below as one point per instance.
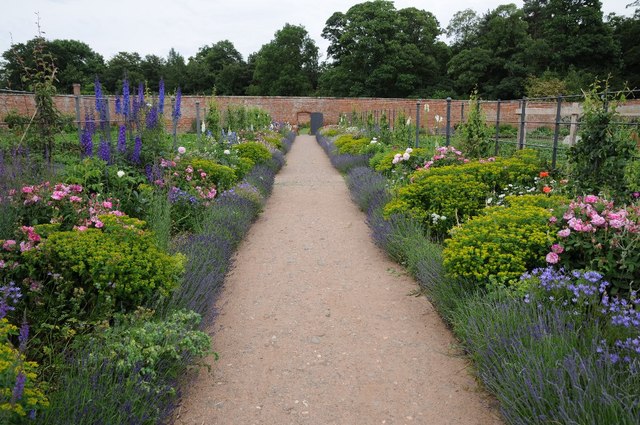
(439, 202)
(500, 245)
(75, 279)
(243, 167)
(254, 151)
(222, 176)
(632, 174)
(474, 134)
(497, 173)
(348, 144)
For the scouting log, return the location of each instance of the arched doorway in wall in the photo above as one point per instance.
(303, 121)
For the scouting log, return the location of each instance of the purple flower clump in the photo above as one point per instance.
(104, 151)
(86, 138)
(118, 106)
(152, 117)
(137, 150)
(122, 139)
(18, 388)
(23, 337)
(101, 104)
(9, 295)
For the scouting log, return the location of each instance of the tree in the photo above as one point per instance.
(175, 71)
(218, 66)
(494, 59)
(376, 50)
(626, 32)
(75, 62)
(570, 34)
(286, 66)
(152, 68)
(463, 29)
(123, 63)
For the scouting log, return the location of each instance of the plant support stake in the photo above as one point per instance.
(417, 123)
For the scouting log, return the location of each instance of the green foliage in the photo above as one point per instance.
(548, 202)
(349, 144)
(499, 245)
(275, 141)
(599, 159)
(439, 202)
(474, 135)
(256, 152)
(15, 410)
(287, 65)
(222, 176)
(79, 278)
(213, 119)
(377, 50)
(150, 344)
(497, 173)
(632, 174)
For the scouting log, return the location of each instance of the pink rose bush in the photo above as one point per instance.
(596, 234)
(445, 155)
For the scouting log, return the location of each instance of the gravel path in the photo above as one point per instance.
(316, 325)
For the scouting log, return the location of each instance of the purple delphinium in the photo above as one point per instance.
(104, 151)
(86, 139)
(125, 98)
(161, 97)
(18, 388)
(152, 117)
(118, 106)
(137, 150)
(141, 94)
(101, 105)
(176, 107)
(122, 139)
(135, 108)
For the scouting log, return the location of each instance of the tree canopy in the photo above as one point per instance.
(545, 47)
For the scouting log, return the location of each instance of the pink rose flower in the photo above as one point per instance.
(616, 223)
(553, 219)
(58, 195)
(107, 204)
(27, 189)
(8, 244)
(557, 248)
(598, 220)
(80, 228)
(552, 258)
(590, 199)
(564, 233)
(74, 198)
(99, 224)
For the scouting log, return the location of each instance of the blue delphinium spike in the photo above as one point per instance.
(161, 97)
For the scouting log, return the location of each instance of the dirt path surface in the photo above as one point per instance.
(316, 325)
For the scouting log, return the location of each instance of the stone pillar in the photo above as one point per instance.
(76, 89)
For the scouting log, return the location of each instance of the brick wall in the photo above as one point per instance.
(296, 109)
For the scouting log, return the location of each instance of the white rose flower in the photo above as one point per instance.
(120, 173)
(227, 152)
(181, 150)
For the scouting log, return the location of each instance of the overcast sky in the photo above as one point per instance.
(155, 26)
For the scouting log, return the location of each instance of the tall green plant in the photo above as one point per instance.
(475, 135)
(599, 159)
(213, 118)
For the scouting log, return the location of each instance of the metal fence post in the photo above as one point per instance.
(78, 118)
(448, 131)
(556, 133)
(198, 129)
(462, 112)
(175, 126)
(418, 123)
(522, 123)
(497, 126)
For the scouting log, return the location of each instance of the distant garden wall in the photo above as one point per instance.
(293, 109)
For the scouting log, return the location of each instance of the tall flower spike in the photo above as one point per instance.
(125, 98)
(104, 151)
(137, 149)
(161, 97)
(122, 139)
(176, 109)
(23, 337)
(141, 94)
